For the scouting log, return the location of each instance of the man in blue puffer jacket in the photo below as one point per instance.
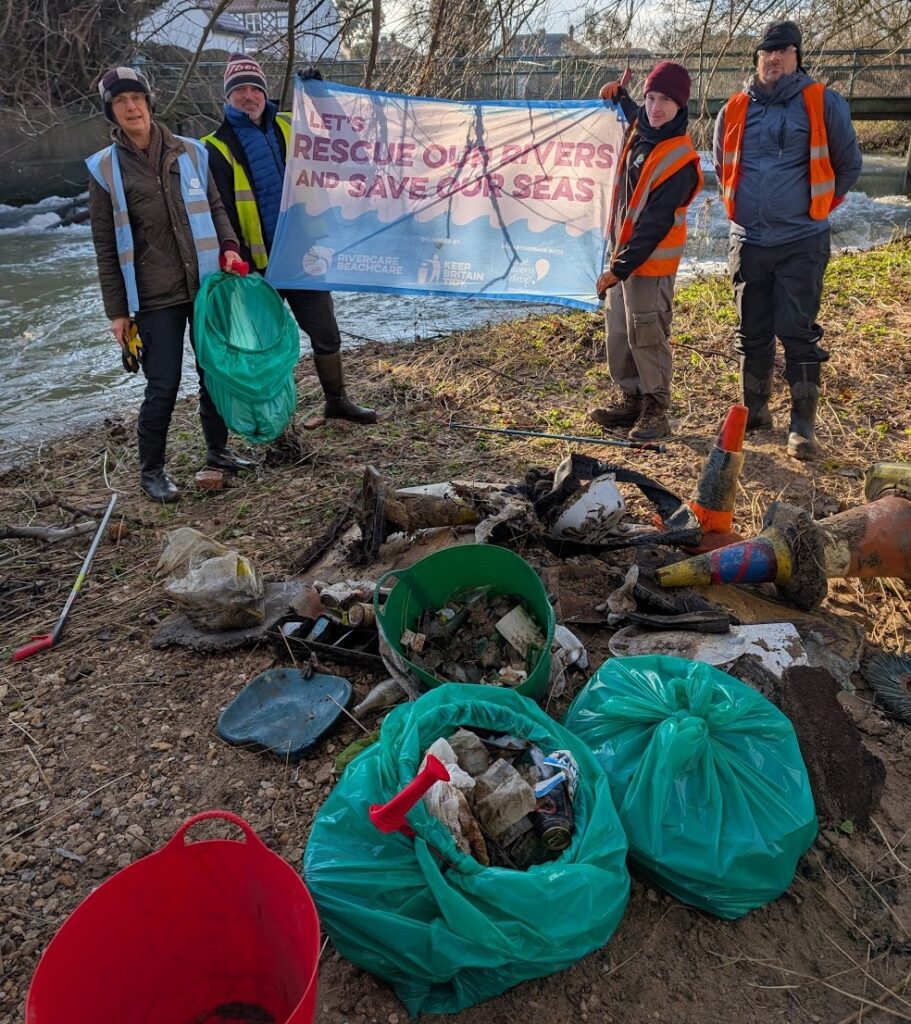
(247, 154)
(778, 187)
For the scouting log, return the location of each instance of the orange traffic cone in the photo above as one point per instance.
(800, 555)
(713, 505)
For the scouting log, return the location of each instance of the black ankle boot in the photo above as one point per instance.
(153, 480)
(332, 380)
(804, 380)
(224, 458)
(756, 383)
(158, 485)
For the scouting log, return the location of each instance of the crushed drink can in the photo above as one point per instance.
(553, 820)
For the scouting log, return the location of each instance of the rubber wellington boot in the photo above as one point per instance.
(804, 381)
(153, 480)
(332, 379)
(622, 413)
(756, 381)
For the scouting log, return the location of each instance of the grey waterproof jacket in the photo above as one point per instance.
(772, 201)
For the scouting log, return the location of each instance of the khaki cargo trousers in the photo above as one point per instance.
(637, 318)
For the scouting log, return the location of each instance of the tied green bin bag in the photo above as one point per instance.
(248, 345)
(443, 930)
(706, 775)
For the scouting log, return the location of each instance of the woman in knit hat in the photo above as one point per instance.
(657, 178)
(159, 227)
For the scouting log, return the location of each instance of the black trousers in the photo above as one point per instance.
(315, 315)
(778, 290)
(162, 333)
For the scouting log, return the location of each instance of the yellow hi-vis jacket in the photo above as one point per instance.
(245, 199)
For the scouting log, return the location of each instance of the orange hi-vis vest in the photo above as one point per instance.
(822, 176)
(663, 161)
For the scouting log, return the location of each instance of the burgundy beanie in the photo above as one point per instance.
(671, 79)
(244, 70)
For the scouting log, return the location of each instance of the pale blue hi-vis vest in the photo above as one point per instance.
(193, 164)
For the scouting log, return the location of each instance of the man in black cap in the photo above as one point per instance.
(248, 152)
(786, 155)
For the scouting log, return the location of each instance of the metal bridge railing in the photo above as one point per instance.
(861, 75)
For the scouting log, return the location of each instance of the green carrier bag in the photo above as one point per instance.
(443, 930)
(247, 344)
(706, 775)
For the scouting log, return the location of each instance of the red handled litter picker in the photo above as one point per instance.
(39, 643)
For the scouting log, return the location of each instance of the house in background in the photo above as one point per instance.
(257, 27)
(548, 44)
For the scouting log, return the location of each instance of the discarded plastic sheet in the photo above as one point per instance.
(178, 629)
(521, 631)
(776, 644)
(284, 712)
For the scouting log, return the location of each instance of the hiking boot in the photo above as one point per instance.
(332, 380)
(224, 458)
(804, 380)
(158, 486)
(756, 381)
(652, 422)
(621, 414)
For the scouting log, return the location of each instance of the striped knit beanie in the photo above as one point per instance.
(244, 70)
(119, 80)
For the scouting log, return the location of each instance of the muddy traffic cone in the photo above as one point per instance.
(712, 508)
(800, 555)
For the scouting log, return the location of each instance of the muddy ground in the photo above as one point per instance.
(107, 745)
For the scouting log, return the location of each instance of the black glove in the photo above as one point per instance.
(311, 72)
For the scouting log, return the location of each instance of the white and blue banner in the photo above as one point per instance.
(389, 193)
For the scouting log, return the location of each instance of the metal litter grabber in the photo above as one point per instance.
(39, 643)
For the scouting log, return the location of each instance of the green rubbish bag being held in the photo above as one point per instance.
(248, 345)
(706, 775)
(443, 930)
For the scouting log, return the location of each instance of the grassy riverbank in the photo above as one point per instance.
(106, 746)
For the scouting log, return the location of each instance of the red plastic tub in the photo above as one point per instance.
(210, 932)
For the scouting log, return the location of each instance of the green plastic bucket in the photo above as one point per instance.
(430, 583)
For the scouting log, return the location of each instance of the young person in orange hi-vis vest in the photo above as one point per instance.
(785, 155)
(657, 178)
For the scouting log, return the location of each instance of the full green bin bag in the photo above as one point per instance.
(706, 775)
(248, 345)
(444, 931)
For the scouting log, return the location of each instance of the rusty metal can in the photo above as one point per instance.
(361, 614)
(553, 820)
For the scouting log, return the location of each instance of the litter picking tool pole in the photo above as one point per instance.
(645, 446)
(390, 817)
(39, 643)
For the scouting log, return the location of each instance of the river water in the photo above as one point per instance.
(59, 369)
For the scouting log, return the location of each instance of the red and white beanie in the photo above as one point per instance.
(244, 70)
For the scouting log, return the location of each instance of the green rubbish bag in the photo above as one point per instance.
(443, 930)
(707, 777)
(247, 344)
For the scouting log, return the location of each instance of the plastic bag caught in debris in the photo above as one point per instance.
(220, 593)
(185, 549)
